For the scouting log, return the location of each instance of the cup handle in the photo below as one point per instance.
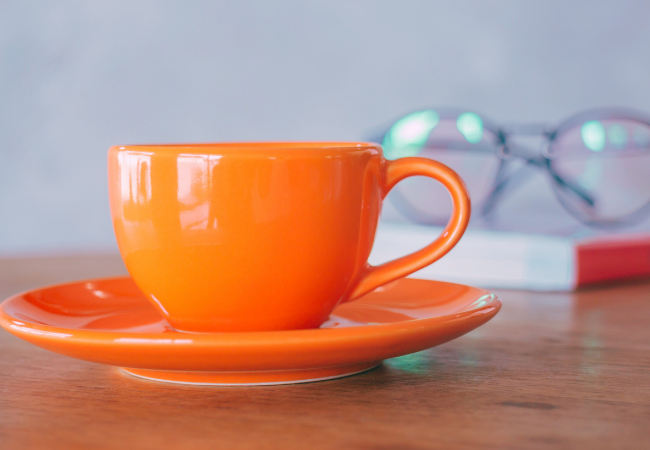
(396, 171)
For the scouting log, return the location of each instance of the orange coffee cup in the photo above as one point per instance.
(261, 236)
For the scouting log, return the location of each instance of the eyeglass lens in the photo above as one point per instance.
(461, 142)
(608, 159)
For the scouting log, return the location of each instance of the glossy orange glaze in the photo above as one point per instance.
(110, 321)
(268, 236)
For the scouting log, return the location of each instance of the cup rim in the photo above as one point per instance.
(254, 146)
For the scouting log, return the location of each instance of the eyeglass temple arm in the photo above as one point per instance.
(504, 181)
(575, 189)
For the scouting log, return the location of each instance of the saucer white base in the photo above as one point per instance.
(261, 378)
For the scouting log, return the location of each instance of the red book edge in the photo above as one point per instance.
(613, 258)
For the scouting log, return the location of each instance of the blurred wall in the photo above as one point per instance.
(79, 76)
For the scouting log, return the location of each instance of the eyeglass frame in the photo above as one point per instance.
(544, 160)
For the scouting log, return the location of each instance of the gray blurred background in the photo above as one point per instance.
(79, 76)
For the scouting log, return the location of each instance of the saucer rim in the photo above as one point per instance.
(6, 318)
(251, 351)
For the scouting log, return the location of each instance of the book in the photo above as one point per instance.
(522, 260)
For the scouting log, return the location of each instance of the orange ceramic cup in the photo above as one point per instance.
(261, 236)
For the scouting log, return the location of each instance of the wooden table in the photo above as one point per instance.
(550, 371)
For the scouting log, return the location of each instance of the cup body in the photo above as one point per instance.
(246, 237)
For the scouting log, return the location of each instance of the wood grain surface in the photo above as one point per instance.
(552, 370)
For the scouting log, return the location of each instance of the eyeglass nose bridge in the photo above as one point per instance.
(507, 149)
(526, 129)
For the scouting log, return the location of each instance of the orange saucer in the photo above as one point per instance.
(110, 321)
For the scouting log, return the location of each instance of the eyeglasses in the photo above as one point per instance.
(598, 162)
